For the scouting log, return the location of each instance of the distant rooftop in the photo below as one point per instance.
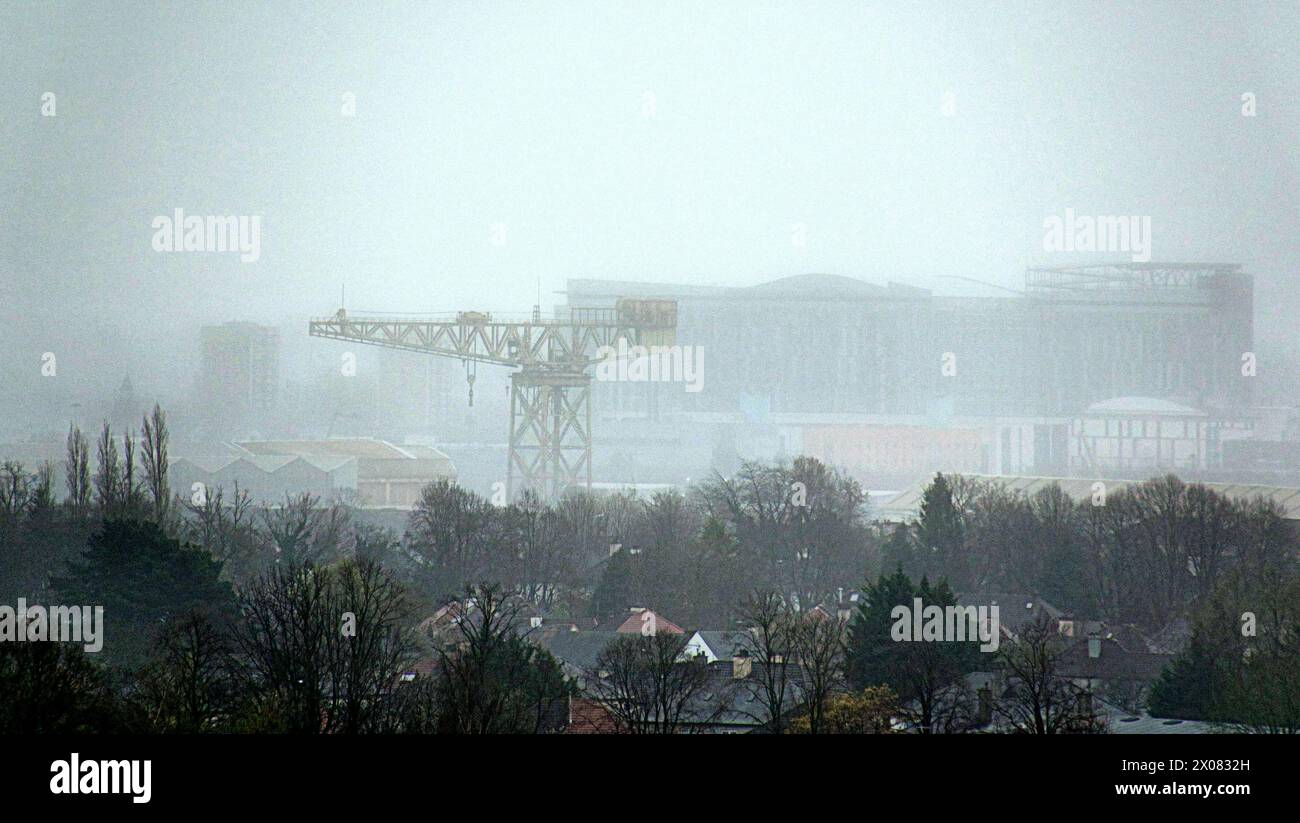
(368, 447)
(1144, 406)
(830, 285)
(1128, 280)
(812, 286)
(1122, 721)
(1111, 276)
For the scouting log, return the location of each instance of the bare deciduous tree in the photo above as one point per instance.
(303, 532)
(446, 534)
(155, 462)
(284, 643)
(1037, 699)
(768, 640)
(108, 474)
(323, 647)
(818, 643)
(370, 645)
(649, 687)
(42, 497)
(187, 686)
(76, 472)
(492, 679)
(226, 529)
(130, 493)
(15, 492)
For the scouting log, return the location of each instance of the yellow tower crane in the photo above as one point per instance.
(550, 391)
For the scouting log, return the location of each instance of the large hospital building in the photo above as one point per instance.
(1113, 370)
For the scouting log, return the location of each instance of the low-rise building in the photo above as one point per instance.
(373, 473)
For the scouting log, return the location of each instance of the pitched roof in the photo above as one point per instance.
(718, 645)
(1115, 663)
(421, 668)
(738, 702)
(589, 717)
(210, 463)
(1143, 406)
(834, 286)
(368, 447)
(578, 650)
(640, 617)
(1015, 611)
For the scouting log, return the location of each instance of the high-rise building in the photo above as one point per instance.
(240, 371)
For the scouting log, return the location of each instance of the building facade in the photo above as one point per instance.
(240, 368)
(1073, 337)
(892, 381)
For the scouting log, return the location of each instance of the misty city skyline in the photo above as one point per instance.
(413, 368)
(912, 145)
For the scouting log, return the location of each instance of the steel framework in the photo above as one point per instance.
(550, 394)
(1125, 276)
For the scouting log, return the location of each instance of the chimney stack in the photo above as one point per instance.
(741, 666)
(1094, 645)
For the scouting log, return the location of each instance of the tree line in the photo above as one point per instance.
(225, 614)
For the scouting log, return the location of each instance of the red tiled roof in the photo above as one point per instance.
(423, 668)
(638, 619)
(589, 717)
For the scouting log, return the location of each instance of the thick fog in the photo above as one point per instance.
(454, 156)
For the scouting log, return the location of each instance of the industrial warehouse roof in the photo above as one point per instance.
(803, 286)
(364, 458)
(589, 287)
(416, 469)
(376, 459)
(1144, 406)
(828, 285)
(265, 463)
(367, 447)
(906, 505)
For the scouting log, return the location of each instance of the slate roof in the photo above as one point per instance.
(739, 702)
(578, 650)
(1115, 664)
(723, 644)
(1015, 611)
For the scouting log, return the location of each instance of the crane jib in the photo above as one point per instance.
(550, 407)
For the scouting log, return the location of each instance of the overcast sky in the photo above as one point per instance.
(660, 141)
